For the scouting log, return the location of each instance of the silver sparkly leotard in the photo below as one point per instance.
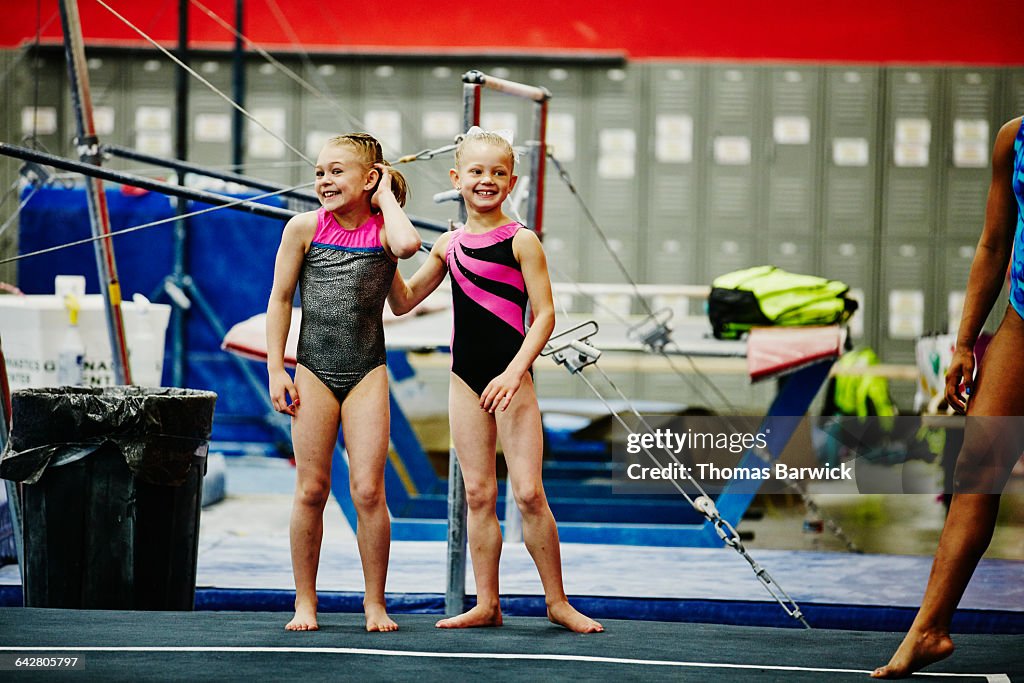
(344, 282)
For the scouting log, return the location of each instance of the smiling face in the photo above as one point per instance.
(343, 179)
(483, 175)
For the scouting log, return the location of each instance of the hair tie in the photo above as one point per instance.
(505, 134)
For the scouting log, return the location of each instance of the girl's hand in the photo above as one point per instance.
(500, 390)
(281, 389)
(960, 373)
(383, 185)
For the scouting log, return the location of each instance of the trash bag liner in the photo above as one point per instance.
(156, 430)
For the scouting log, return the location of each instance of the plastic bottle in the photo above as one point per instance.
(147, 366)
(71, 357)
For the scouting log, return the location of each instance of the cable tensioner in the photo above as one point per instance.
(654, 331)
(572, 348)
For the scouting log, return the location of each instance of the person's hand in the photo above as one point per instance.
(282, 388)
(383, 186)
(500, 390)
(960, 379)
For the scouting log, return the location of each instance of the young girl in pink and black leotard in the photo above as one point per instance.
(496, 267)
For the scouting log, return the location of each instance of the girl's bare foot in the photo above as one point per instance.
(481, 615)
(917, 651)
(304, 619)
(564, 614)
(377, 618)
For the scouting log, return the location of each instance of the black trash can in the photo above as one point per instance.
(111, 495)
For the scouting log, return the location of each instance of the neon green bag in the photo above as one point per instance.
(766, 296)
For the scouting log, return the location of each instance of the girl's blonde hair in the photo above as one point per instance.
(370, 152)
(490, 138)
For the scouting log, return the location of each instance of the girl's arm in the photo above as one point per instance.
(988, 270)
(405, 296)
(500, 390)
(399, 237)
(294, 242)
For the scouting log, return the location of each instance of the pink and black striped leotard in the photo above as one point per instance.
(489, 302)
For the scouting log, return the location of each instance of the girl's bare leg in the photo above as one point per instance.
(982, 466)
(473, 434)
(314, 432)
(520, 431)
(365, 421)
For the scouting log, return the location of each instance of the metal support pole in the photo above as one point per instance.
(94, 171)
(513, 529)
(178, 319)
(238, 88)
(529, 92)
(534, 218)
(184, 167)
(13, 490)
(26, 154)
(455, 593)
(538, 162)
(88, 150)
(470, 118)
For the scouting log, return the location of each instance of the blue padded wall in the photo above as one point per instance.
(230, 257)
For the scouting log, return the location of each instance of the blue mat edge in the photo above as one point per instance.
(734, 613)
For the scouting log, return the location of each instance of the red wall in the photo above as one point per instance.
(880, 31)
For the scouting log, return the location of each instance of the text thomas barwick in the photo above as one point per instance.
(706, 470)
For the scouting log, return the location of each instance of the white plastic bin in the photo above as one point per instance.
(32, 328)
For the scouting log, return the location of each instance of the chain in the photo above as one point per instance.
(703, 504)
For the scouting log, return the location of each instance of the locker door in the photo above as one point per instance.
(727, 253)
(671, 258)
(272, 99)
(9, 130)
(790, 252)
(41, 106)
(1014, 95)
(7, 61)
(438, 119)
(334, 108)
(733, 147)
(672, 236)
(612, 139)
(972, 96)
(849, 187)
(906, 288)
(913, 126)
(974, 120)
(565, 227)
(957, 257)
(388, 89)
(852, 261)
(792, 140)
(7, 122)
(210, 125)
(151, 105)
